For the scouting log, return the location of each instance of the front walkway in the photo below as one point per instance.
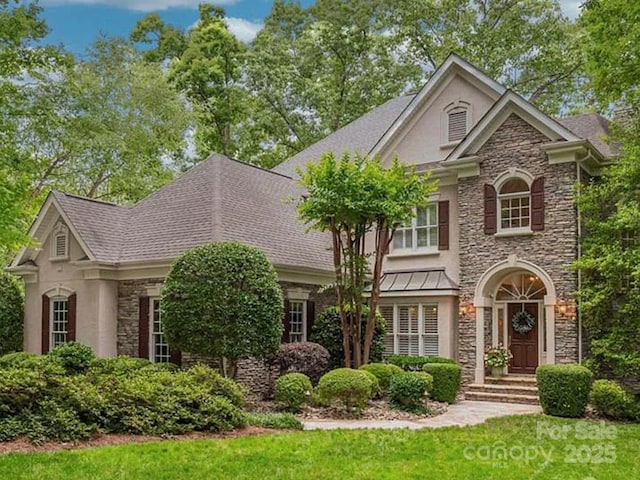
(459, 414)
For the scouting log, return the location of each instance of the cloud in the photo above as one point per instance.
(571, 8)
(139, 5)
(245, 30)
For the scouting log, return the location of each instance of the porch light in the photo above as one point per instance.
(467, 308)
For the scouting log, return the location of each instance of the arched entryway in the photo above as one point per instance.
(516, 288)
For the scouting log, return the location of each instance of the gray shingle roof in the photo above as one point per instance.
(361, 136)
(219, 199)
(592, 127)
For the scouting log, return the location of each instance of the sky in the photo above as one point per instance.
(77, 23)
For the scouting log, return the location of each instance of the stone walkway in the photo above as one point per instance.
(460, 414)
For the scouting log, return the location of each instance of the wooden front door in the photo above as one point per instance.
(524, 346)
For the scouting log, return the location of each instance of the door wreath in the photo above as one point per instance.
(523, 322)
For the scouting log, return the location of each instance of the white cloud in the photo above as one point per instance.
(571, 8)
(140, 5)
(245, 30)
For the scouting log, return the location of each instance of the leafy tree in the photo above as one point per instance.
(361, 204)
(11, 314)
(223, 300)
(163, 42)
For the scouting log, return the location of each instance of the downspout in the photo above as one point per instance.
(579, 317)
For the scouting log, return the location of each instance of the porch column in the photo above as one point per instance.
(480, 305)
(550, 315)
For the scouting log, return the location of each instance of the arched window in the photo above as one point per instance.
(514, 199)
(457, 121)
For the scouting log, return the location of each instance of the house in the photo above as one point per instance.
(485, 262)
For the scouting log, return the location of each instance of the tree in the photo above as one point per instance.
(11, 314)
(361, 204)
(223, 300)
(163, 42)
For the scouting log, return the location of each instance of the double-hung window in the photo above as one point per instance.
(297, 321)
(59, 321)
(514, 200)
(159, 347)
(421, 233)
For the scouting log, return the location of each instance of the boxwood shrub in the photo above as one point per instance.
(73, 357)
(351, 387)
(414, 363)
(446, 380)
(564, 389)
(383, 372)
(611, 399)
(292, 390)
(407, 390)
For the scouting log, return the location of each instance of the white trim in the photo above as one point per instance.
(413, 228)
(298, 294)
(60, 231)
(457, 106)
(512, 172)
(52, 332)
(302, 302)
(59, 291)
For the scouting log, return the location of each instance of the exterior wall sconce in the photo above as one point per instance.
(566, 308)
(467, 308)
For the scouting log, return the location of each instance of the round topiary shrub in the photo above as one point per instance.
(223, 300)
(327, 331)
(564, 389)
(11, 314)
(407, 390)
(309, 358)
(611, 399)
(292, 390)
(446, 380)
(383, 372)
(74, 357)
(351, 387)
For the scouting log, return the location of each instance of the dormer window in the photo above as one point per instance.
(60, 243)
(457, 121)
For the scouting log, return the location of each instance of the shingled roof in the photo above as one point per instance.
(592, 127)
(218, 199)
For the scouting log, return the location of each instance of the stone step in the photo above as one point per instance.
(511, 380)
(508, 389)
(501, 398)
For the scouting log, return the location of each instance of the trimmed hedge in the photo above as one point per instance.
(292, 390)
(564, 389)
(408, 390)
(383, 372)
(309, 358)
(351, 387)
(414, 363)
(611, 399)
(446, 380)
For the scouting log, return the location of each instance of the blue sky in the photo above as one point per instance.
(77, 23)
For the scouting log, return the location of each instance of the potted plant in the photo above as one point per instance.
(497, 358)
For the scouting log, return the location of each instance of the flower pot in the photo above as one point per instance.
(497, 371)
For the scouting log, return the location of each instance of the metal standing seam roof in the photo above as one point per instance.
(417, 280)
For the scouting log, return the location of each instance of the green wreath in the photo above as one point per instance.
(523, 322)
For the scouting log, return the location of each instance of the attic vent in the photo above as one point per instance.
(457, 125)
(61, 245)
(60, 242)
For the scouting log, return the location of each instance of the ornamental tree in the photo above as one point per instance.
(11, 314)
(361, 204)
(223, 300)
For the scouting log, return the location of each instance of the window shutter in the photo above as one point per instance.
(537, 204)
(457, 125)
(176, 356)
(311, 317)
(143, 326)
(46, 305)
(443, 225)
(286, 322)
(490, 210)
(71, 317)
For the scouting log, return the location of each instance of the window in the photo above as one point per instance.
(297, 321)
(411, 329)
(514, 199)
(159, 347)
(421, 233)
(60, 242)
(59, 321)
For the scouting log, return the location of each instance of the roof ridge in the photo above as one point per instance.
(87, 199)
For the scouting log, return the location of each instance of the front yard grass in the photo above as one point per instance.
(577, 450)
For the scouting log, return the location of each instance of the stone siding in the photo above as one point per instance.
(517, 144)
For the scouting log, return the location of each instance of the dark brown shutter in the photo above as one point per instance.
(286, 322)
(443, 225)
(71, 317)
(143, 326)
(311, 317)
(176, 356)
(537, 204)
(46, 305)
(490, 210)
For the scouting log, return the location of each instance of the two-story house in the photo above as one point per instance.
(490, 252)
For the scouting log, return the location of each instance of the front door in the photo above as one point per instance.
(524, 346)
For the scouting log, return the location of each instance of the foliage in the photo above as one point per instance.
(292, 390)
(356, 199)
(610, 398)
(497, 357)
(11, 314)
(120, 365)
(351, 387)
(564, 389)
(278, 421)
(309, 358)
(415, 362)
(383, 372)
(21, 360)
(408, 389)
(446, 380)
(327, 331)
(73, 357)
(223, 300)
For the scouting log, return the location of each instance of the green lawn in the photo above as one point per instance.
(452, 453)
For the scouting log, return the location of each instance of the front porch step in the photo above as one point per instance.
(511, 380)
(501, 397)
(505, 389)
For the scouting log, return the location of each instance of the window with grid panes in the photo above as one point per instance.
(421, 233)
(515, 204)
(297, 321)
(159, 347)
(59, 321)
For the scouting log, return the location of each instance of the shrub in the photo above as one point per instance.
(11, 314)
(564, 389)
(293, 389)
(309, 358)
(408, 389)
(120, 365)
(610, 398)
(446, 380)
(352, 387)
(223, 300)
(280, 421)
(414, 363)
(376, 391)
(21, 360)
(327, 331)
(383, 372)
(73, 357)
(217, 384)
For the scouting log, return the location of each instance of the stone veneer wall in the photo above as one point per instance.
(253, 373)
(517, 144)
